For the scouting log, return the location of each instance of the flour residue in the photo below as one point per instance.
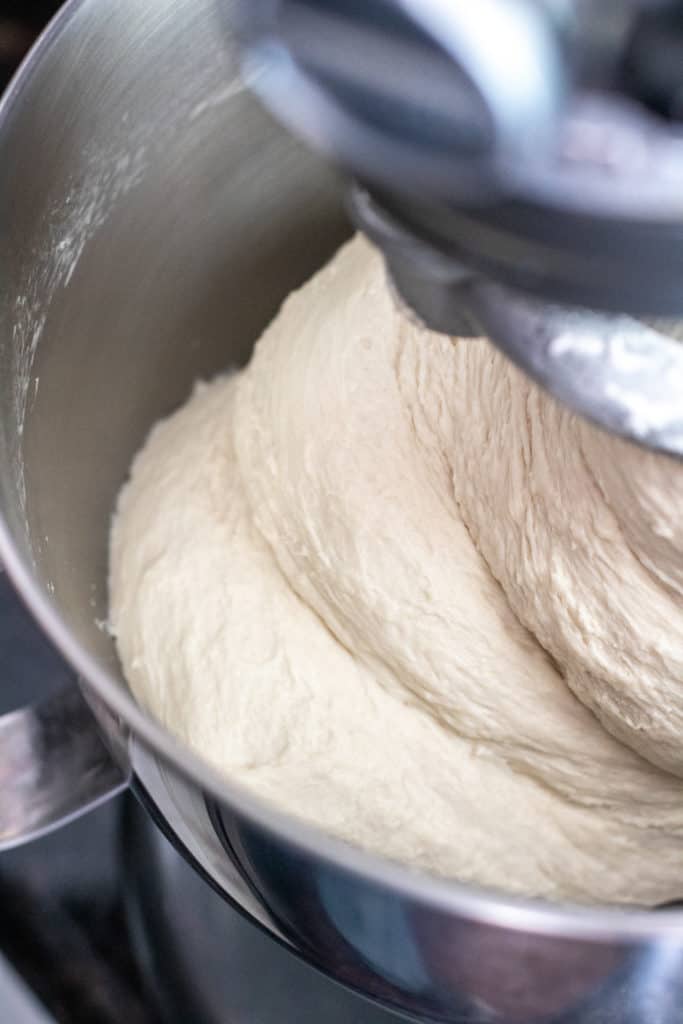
(71, 223)
(105, 171)
(105, 176)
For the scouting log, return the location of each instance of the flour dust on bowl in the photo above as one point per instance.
(154, 219)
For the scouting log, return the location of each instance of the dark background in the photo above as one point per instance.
(62, 922)
(20, 22)
(63, 925)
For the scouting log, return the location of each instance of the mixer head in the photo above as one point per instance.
(520, 163)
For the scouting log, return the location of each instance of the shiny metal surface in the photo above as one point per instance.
(419, 95)
(537, 145)
(18, 1003)
(152, 219)
(525, 99)
(206, 962)
(624, 374)
(53, 766)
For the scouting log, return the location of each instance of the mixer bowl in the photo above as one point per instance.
(153, 218)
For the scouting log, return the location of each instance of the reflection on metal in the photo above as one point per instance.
(622, 373)
(224, 215)
(19, 1005)
(53, 767)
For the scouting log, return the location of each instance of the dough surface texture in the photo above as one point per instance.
(390, 586)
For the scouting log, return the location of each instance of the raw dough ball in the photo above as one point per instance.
(296, 593)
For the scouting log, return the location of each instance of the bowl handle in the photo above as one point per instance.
(54, 767)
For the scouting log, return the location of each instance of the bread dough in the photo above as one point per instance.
(588, 547)
(326, 574)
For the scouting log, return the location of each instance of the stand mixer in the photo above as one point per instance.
(154, 219)
(514, 160)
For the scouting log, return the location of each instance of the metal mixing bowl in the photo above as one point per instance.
(152, 219)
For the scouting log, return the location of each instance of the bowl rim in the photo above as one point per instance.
(485, 906)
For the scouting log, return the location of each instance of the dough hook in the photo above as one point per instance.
(621, 372)
(520, 163)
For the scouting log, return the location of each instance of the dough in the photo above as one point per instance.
(588, 547)
(328, 573)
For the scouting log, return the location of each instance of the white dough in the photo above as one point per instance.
(588, 546)
(321, 574)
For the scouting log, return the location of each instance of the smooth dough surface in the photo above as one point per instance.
(336, 576)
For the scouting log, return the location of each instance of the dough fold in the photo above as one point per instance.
(385, 582)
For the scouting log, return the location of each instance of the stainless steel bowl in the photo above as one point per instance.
(152, 219)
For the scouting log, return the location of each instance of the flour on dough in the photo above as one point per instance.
(330, 574)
